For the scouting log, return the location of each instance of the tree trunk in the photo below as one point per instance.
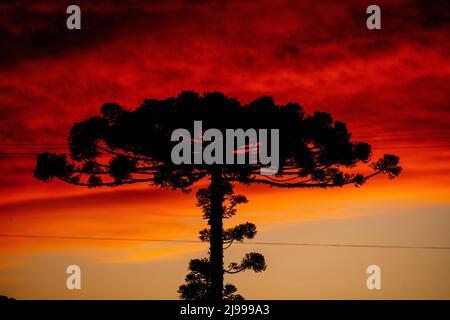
(216, 239)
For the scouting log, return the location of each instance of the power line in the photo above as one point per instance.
(410, 139)
(96, 238)
(64, 146)
(405, 134)
(374, 148)
(414, 147)
(33, 144)
(245, 243)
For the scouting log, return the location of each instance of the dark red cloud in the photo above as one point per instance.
(319, 54)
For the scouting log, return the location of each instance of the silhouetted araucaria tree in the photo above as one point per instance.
(123, 146)
(197, 284)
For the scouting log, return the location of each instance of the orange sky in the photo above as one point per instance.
(390, 86)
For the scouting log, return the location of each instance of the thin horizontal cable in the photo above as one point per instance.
(392, 135)
(245, 243)
(381, 147)
(405, 134)
(95, 238)
(414, 147)
(410, 139)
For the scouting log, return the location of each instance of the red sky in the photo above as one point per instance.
(388, 84)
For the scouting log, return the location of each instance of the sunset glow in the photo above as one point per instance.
(391, 87)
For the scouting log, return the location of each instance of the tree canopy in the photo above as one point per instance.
(124, 146)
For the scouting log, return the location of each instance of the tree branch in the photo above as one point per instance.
(105, 184)
(123, 155)
(229, 244)
(233, 272)
(301, 185)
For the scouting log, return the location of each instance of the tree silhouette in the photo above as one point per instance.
(123, 146)
(198, 282)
